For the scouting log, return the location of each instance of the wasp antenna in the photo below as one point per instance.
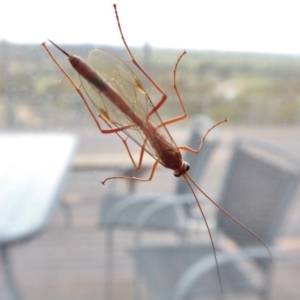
(63, 51)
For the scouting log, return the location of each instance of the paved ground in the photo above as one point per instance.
(67, 262)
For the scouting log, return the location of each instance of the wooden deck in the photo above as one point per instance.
(67, 262)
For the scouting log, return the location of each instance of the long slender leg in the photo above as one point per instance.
(138, 165)
(164, 95)
(135, 178)
(196, 151)
(183, 116)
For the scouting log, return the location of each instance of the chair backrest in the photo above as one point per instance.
(258, 186)
(260, 182)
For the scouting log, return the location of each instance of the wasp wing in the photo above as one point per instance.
(121, 78)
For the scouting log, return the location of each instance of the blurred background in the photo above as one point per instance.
(242, 63)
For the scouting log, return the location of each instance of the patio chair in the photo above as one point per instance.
(258, 187)
(122, 211)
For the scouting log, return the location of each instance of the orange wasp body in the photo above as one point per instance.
(167, 153)
(124, 106)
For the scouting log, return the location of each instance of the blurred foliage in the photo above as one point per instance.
(244, 87)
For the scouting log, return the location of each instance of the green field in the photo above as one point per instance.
(244, 87)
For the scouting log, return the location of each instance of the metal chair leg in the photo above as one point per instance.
(109, 265)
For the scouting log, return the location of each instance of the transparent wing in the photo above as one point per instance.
(121, 78)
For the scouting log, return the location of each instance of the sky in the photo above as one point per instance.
(223, 25)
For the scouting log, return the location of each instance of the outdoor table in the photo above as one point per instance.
(32, 171)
